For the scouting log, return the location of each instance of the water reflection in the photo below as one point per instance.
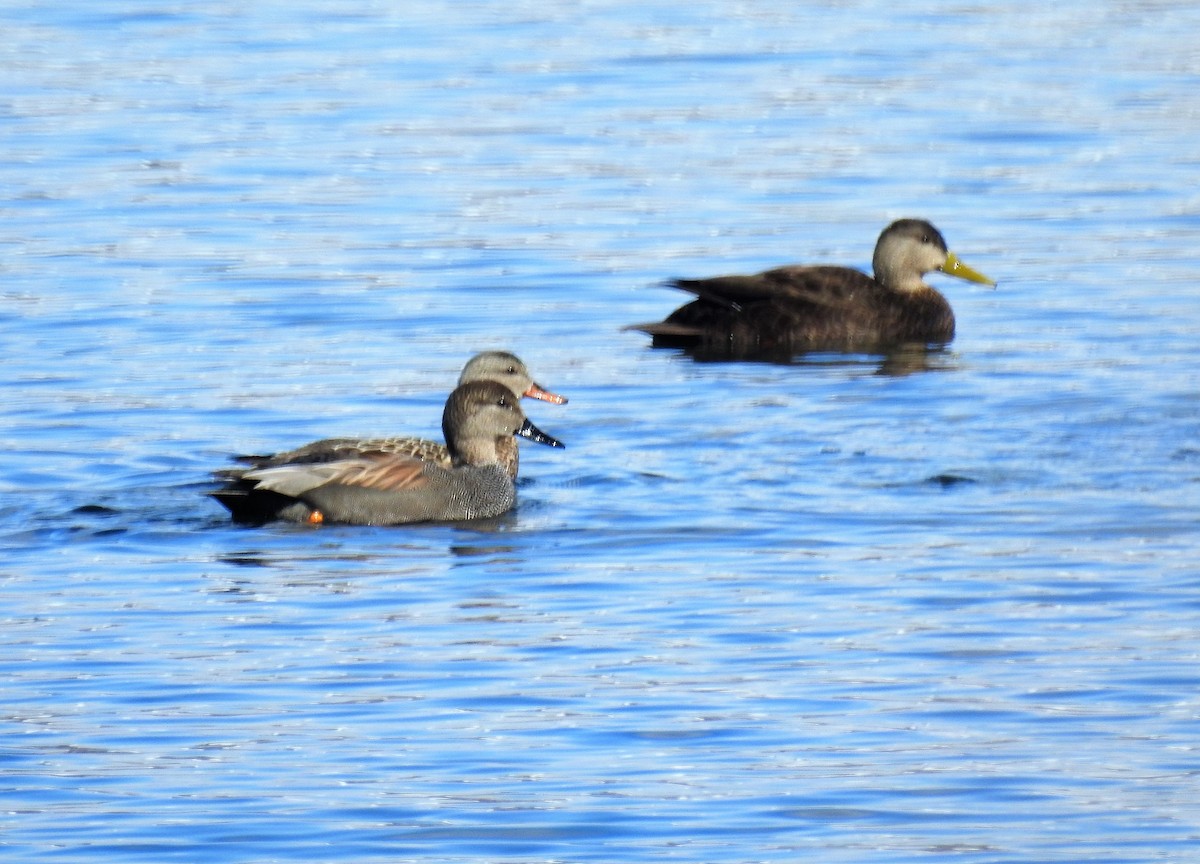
(900, 360)
(484, 551)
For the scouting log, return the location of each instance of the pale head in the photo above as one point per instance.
(910, 248)
(508, 370)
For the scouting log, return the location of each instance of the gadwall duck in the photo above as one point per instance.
(384, 488)
(498, 366)
(790, 310)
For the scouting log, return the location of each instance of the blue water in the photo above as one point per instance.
(832, 611)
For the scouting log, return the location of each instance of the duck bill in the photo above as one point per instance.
(528, 430)
(955, 267)
(535, 391)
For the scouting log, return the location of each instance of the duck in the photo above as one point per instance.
(389, 488)
(800, 308)
(501, 366)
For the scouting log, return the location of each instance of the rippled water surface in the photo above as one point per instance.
(838, 610)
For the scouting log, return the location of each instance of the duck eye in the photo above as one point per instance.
(502, 401)
(512, 370)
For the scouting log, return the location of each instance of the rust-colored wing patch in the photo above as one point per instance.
(384, 473)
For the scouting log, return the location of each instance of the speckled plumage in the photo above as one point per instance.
(378, 488)
(499, 366)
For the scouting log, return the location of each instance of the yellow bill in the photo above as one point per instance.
(955, 267)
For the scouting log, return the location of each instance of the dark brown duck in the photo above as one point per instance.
(798, 308)
(385, 488)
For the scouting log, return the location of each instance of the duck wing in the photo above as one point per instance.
(827, 287)
(339, 449)
(379, 472)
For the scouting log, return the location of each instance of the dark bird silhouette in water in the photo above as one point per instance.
(795, 309)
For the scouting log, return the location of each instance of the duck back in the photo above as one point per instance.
(790, 310)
